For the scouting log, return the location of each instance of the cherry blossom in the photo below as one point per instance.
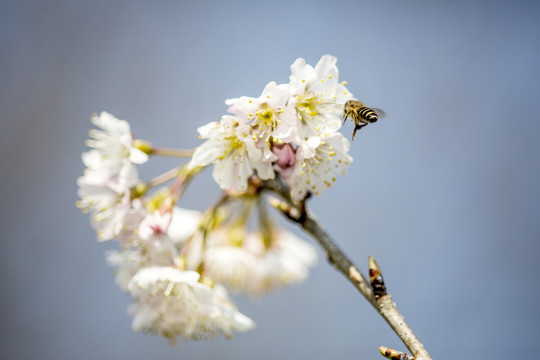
(172, 303)
(319, 96)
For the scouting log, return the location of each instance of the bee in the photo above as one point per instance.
(360, 114)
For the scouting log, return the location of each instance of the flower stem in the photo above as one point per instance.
(181, 153)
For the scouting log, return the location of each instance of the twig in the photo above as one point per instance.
(379, 299)
(166, 176)
(181, 153)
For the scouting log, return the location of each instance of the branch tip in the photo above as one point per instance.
(376, 279)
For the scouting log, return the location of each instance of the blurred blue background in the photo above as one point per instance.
(444, 192)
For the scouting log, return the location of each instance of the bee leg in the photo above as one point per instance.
(344, 119)
(354, 132)
(357, 127)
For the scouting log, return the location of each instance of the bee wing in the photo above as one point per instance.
(380, 113)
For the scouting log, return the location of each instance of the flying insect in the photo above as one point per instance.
(360, 114)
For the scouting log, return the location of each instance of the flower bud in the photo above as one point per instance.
(286, 158)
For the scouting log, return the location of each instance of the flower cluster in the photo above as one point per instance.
(178, 264)
(290, 130)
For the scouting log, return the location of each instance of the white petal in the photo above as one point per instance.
(137, 156)
(184, 223)
(208, 152)
(233, 171)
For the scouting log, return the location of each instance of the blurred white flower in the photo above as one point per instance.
(114, 214)
(125, 264)
(171, 302)
(318, 160)
(184, 223)
(157, 244)
(258, 265)
(233, 152)
(112, 144)
(319, 96)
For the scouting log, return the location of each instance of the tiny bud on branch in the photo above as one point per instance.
(288, 210)
(394, 354)
(376, 279)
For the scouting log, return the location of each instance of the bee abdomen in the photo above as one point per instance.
(368, 114)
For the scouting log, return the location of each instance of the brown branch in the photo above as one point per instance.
(387, 308)
(337, 258)
(383, 303)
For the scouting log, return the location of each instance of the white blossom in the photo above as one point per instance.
(155, 240)
(270, 115)
(176, 263)
(172, 303)
(163, 233)
(114, 214)
(318, 160)
(256, 267)
(233, 152)
(112, 144)
(319, 96)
